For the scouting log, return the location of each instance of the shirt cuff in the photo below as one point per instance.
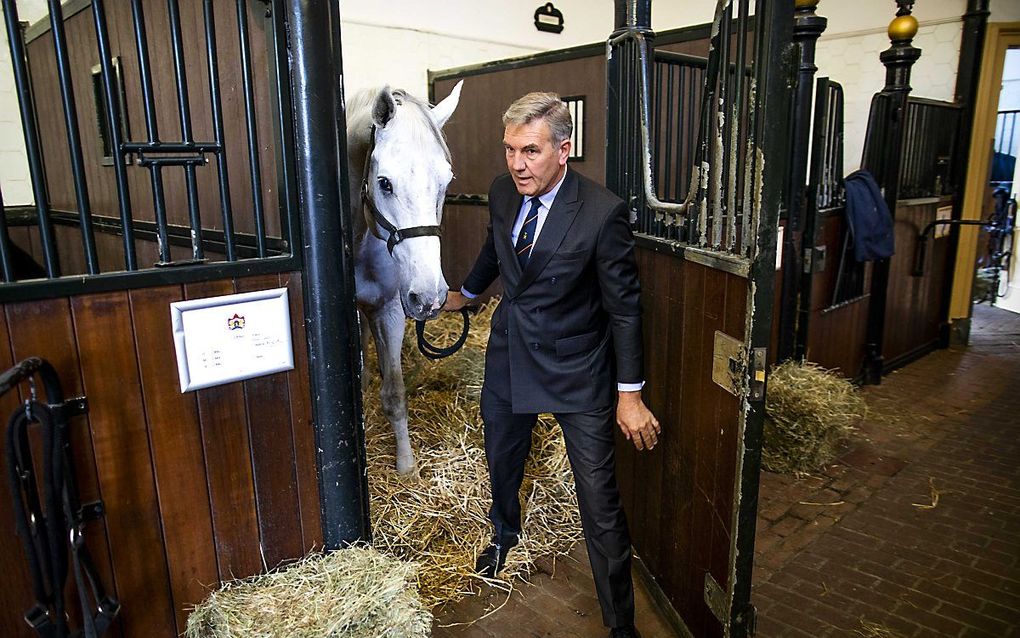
(630, 387)
(467, 293)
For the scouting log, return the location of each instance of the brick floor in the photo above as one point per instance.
(858, 549)
(559, 602)
(915, 529)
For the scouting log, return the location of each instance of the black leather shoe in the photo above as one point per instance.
(491, 560)
(624, 632)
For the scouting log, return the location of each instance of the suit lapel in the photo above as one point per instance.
(507, 215)
(561, 216)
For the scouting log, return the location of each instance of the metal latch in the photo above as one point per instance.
(814, 260)
(728, 363)
(757, 388)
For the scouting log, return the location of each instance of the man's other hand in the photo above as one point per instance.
(636, 421)
(455, 300)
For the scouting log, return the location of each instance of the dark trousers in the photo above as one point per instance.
(590, 448)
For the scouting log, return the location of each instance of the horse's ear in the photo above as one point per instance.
(445, 108)
(384, 107)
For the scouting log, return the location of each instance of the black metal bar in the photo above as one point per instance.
(922, 239)
(172, 147)
(217, 116)
(33, 148)
(807, 28)
(773, 35)
(968, 71)
(5, 241)
(819, 155)
(151, 128)
(172, 161)
(81, 189)
(250, 120)
(112, 281)
(898, 59)
(332, 326)
(113, 116)
(184, 111)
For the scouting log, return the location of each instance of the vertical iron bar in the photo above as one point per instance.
(774, 21)
(331, 315)
(739, 120)
(113, 116)
(807, 28)
(898, 60)
(151, 130)
(283, 127)
(81, 189)
(669, 192)
(23, 84)
(187, 136)
(820, 131)
(720, 138)
(250, 119)
(5, 241)
(217, 116)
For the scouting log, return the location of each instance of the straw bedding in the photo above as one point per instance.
(355, 593)
(427, 527)
(439, 517)
(808, 410)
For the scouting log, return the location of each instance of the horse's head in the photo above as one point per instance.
(406, 175)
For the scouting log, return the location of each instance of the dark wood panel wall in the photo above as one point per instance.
(679, 496)
(914, 305)
(198, 487)
(84, 56)
(836, 333)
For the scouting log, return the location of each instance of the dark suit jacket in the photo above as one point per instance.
(569, 326)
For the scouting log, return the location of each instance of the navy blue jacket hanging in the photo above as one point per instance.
(868, 217)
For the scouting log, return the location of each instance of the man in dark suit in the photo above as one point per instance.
(566, 339)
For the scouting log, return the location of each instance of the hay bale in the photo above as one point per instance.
(351, 593)
(808, 410)
(439, 517)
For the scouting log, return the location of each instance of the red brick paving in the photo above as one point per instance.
(871, 556)
(857, 549)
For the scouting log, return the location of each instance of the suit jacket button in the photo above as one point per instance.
(506, 332)
(535, 346)
(553, 280)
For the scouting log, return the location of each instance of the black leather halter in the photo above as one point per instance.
(376, 218)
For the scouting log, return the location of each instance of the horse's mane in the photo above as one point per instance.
(359, 118)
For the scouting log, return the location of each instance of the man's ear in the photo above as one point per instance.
(564, 151)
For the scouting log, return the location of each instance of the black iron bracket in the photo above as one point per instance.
(922, 239)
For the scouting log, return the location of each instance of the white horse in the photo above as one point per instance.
(399, 170)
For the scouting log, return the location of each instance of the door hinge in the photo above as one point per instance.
(715, 598)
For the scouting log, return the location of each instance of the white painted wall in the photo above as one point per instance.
(848, 53)
(14, 177)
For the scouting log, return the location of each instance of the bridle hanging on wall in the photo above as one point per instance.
(46, 521)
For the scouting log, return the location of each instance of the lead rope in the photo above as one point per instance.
(45, 533)
(434, 352)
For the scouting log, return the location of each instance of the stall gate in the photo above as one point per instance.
(174, 155)
(706, 262)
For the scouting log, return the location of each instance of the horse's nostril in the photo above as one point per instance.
(417, 301)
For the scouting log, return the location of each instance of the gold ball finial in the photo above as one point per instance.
(903, 28)
(805, 4)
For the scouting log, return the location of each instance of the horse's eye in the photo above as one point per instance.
(385, 184)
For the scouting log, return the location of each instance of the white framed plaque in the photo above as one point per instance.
(231, 338)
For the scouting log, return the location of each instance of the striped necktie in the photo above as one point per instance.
(526, 238)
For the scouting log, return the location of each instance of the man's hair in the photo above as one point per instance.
(546, 106)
